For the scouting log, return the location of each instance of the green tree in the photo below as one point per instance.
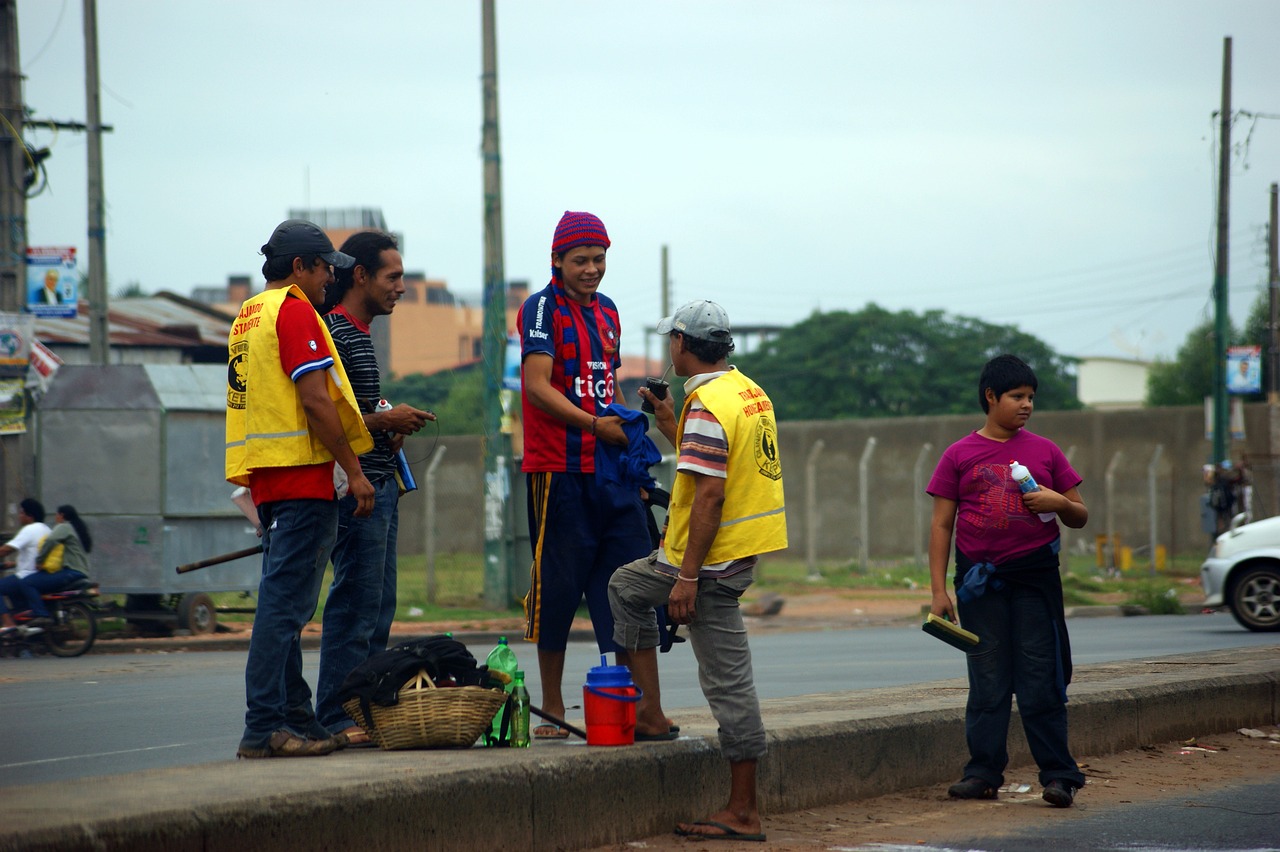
(878, 363)
(1188, 378)
(456, 397)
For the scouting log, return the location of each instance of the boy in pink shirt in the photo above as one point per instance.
(1007, 583)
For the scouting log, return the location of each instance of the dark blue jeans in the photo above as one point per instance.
(362, 599)
(297, 539)
(44, 583)
(1017, 654)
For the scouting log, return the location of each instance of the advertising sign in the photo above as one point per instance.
(52, 281)
(1244, 369)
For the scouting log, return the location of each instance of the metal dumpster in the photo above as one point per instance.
(138, 450)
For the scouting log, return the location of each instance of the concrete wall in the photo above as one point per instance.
(895, 510)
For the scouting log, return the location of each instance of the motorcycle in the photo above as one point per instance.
(73, 627)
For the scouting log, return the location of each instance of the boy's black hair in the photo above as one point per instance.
(1001, 374)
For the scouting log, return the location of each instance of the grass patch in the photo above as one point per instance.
(1159, 598)
(456, 591)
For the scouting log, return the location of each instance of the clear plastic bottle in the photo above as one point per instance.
(1027, 483)
(520, 713)
(501, 659)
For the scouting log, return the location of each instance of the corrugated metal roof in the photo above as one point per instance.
(162, 320)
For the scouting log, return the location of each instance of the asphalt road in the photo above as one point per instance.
(106, 714)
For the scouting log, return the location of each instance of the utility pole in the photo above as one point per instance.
(1221, 322)
(1273, 290)
(13, 163)
(497, 456)
(99, 344)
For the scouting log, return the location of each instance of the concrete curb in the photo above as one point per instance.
(823, 749)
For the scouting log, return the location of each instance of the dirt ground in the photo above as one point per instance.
(1172, 771)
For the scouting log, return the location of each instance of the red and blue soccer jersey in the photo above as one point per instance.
(582, 341)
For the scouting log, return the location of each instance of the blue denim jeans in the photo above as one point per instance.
(44, 583)
(362, 599)
(297, 540)
(1017, 654)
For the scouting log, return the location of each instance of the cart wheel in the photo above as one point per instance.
(197, 614)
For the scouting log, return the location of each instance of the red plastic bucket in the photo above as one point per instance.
(609, 701)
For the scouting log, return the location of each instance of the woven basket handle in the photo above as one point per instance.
(419, 679)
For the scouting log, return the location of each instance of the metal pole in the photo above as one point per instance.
(812, 524)
(1111, 514)
(1151, 500)
(429, 521)
(497, 557)
(864, 500)
(1220, 300)
(921, 503)
(99, 344)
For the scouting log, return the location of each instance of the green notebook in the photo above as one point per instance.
(950, 633)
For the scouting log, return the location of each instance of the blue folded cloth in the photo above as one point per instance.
(629, 465)
(974, 584)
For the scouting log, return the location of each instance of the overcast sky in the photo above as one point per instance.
(1047, 165)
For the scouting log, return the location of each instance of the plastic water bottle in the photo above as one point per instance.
(501, 659)
(1027, 484)
(520, 714)
(407, 482)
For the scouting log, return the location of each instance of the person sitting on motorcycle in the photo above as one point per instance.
(24, 545)
(72, 534)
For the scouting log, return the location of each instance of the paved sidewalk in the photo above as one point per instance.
(826, 748)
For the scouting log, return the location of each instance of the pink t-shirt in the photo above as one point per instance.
(992, 524)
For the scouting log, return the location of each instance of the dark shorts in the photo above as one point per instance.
(580, 531)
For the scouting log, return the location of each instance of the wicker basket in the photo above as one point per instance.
(429, 717)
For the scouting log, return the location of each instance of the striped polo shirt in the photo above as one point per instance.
(355, 347)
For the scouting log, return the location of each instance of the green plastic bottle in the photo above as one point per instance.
(520, 713)
(501, 659)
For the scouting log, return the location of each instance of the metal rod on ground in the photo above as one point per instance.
(218, 560)
(429, 522)
(542, 714)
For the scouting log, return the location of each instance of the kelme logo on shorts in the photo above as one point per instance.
(767, 448)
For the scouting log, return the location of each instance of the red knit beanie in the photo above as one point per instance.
(578, 229)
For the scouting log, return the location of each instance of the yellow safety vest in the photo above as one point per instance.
(268, 427)
(753, 519)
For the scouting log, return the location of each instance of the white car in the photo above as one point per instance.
(1243, 572)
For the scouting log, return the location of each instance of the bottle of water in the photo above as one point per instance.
(501, 659)
(1027, 484)
(520, 713)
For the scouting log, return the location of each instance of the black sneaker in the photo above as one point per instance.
(971, 788)
(1059, 793)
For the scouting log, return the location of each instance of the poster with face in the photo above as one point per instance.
(52, 281)
(1244, 369)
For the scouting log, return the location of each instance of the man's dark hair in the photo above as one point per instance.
(32, 508)
(280, 267)
(1001, 374)
(706, 351)
(367, 248)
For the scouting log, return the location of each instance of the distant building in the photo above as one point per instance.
(1112, 383)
